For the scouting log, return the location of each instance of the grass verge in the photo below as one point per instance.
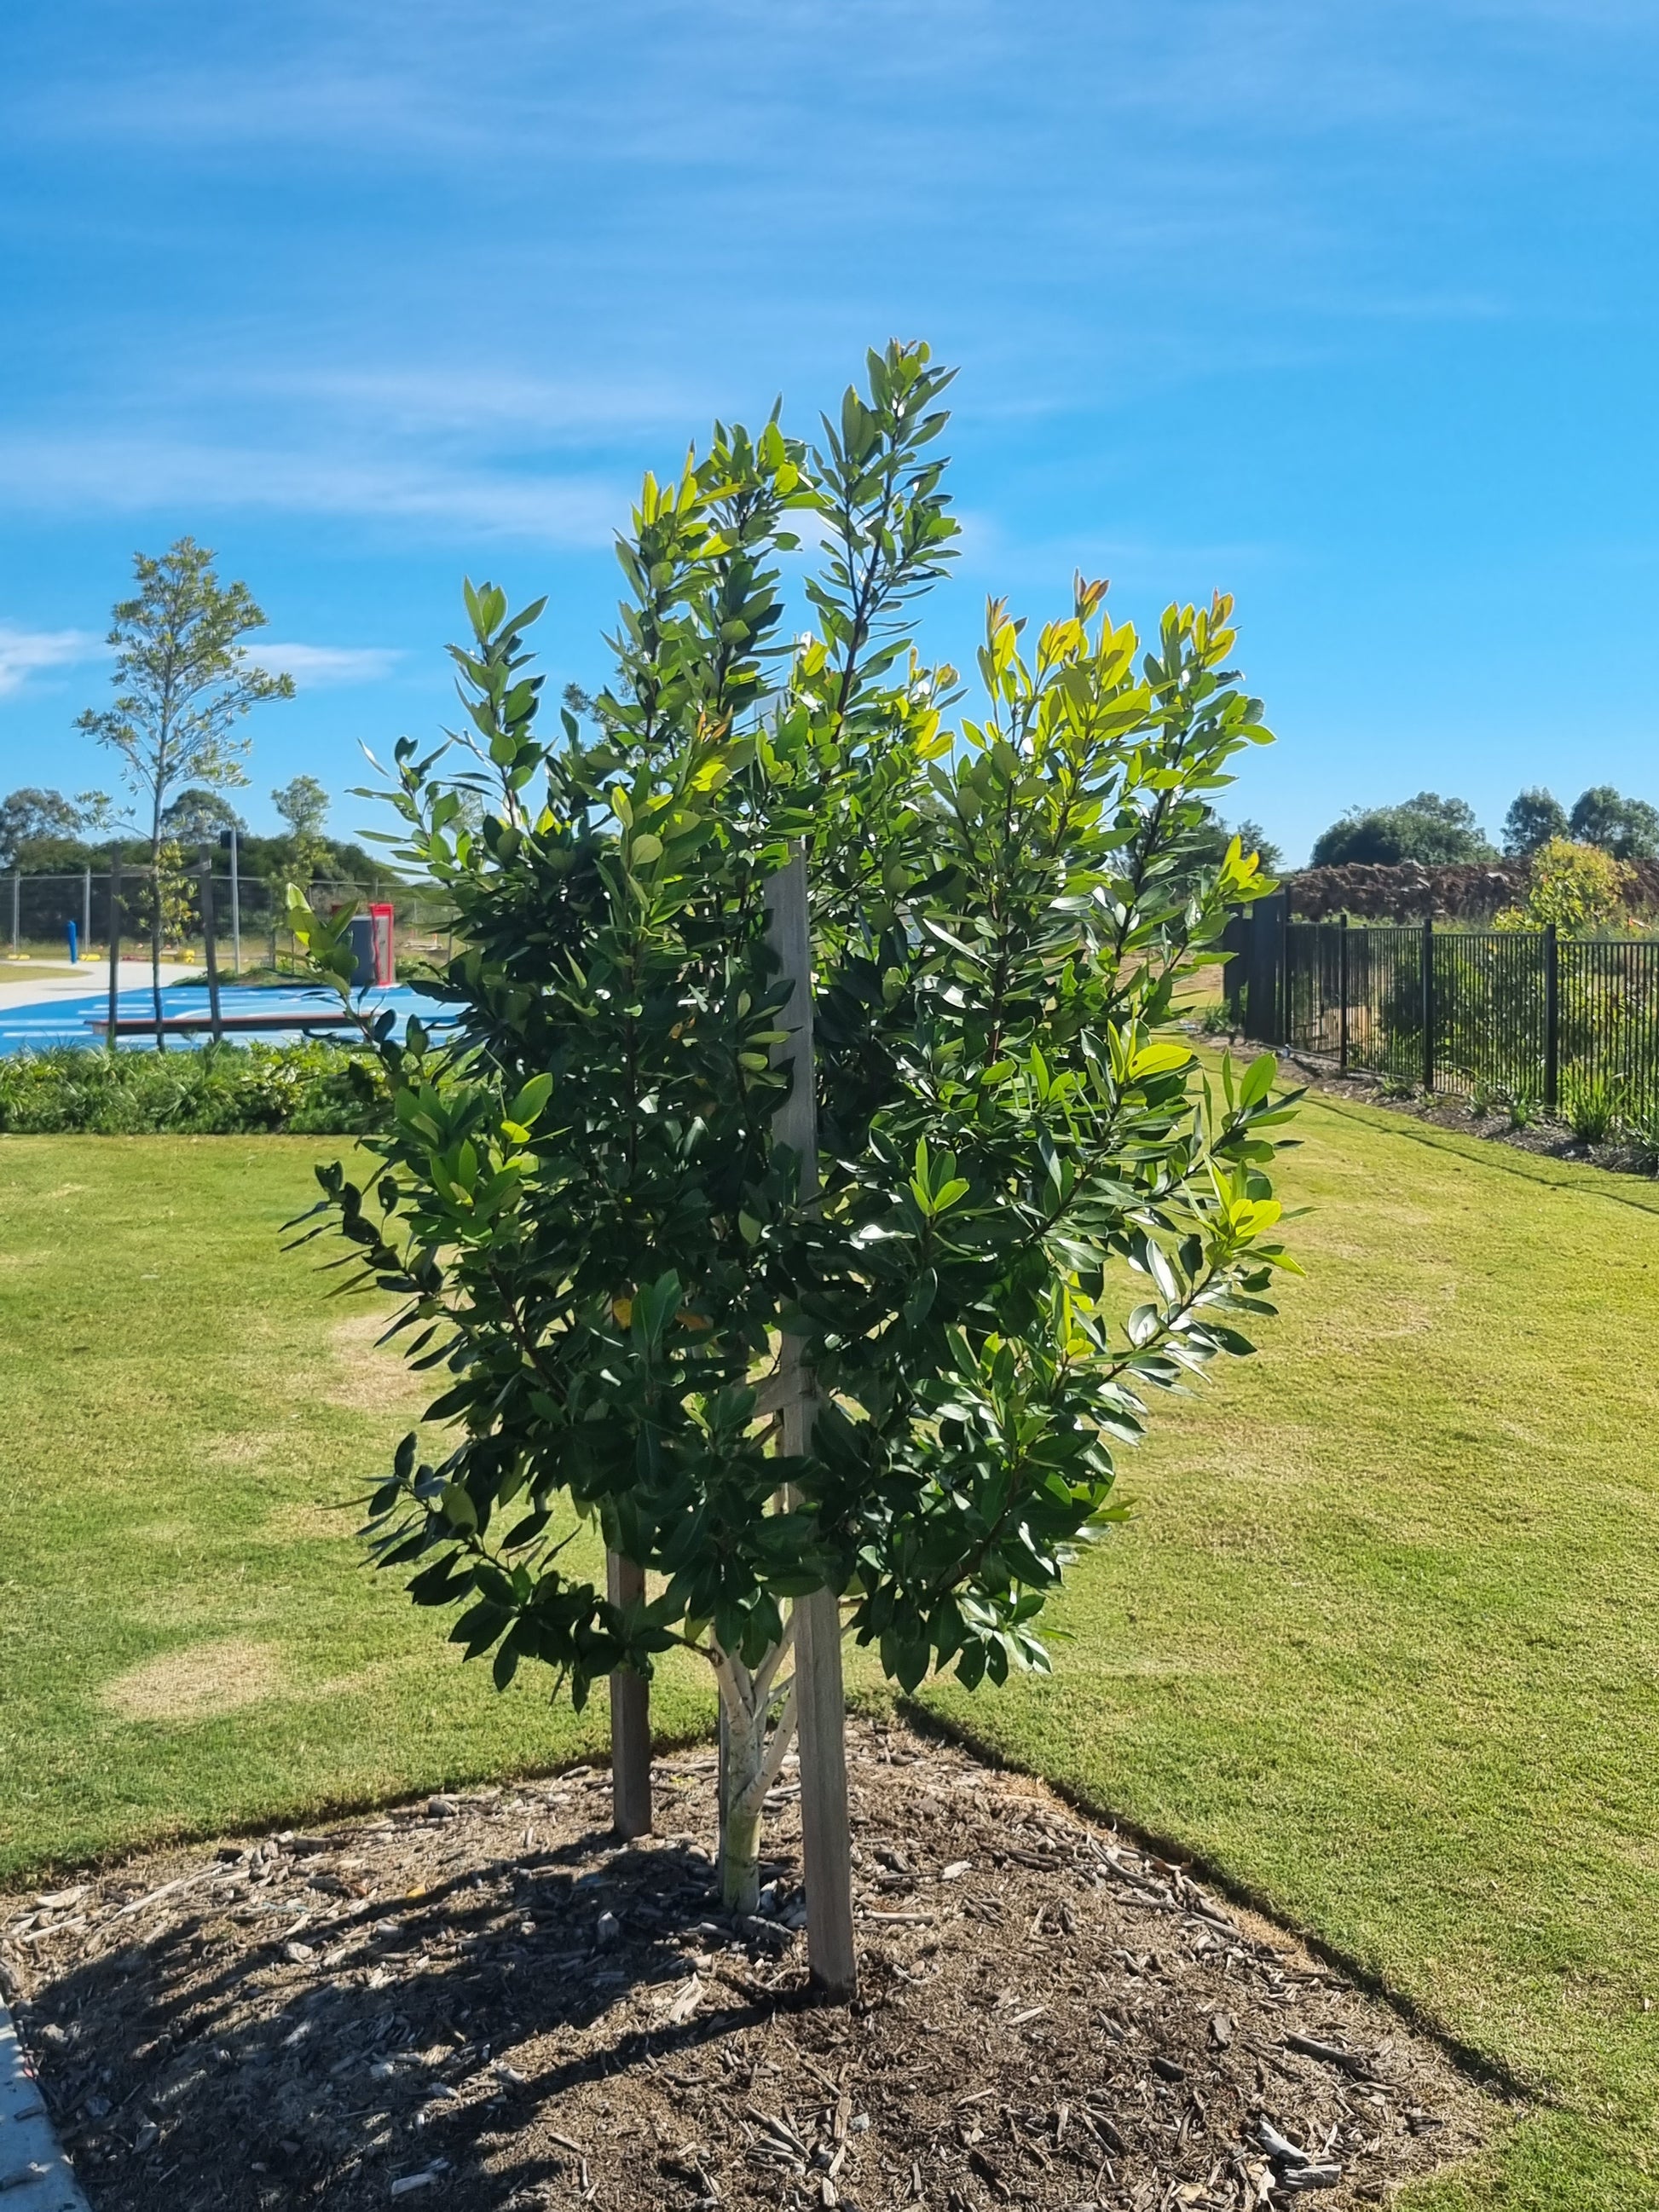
(188, 1641)
(1382, 1645)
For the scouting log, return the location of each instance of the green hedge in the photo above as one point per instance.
(216, 1090)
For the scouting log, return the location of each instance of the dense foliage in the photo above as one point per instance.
(1032, 1215)
(1433, 831)
(275, 860)
(1579, 889)
(1534, 817)
(222, 1091)
(1628, 829)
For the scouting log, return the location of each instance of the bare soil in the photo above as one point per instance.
(487, 2002)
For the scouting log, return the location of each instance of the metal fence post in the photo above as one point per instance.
(235, 912)
(214, 1017)
(16, 907)
(1342, 993)
(1282, 1025)
(1428, 1002)
(114, 943)
(1552, 1016)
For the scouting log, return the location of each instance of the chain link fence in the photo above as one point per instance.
(36, 913)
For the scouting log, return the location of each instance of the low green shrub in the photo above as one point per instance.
(1592, 1107)
(324, 1090)
(1521, 1103)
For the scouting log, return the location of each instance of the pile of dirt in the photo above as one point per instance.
(1407, 892)
(485, 2002)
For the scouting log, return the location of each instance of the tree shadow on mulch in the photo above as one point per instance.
(489, 1999)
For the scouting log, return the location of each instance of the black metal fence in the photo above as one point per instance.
(1528, 1014)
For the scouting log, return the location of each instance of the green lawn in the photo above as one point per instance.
(187, 1638)
(1381, 1646)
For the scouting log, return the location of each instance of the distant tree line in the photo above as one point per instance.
(1436, 832)
(43, 833)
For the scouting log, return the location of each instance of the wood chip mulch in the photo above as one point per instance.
(485, 2002)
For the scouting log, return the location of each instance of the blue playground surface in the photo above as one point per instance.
(70, 1021)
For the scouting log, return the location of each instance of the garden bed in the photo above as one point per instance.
(485, 2002)
(1545, 1136)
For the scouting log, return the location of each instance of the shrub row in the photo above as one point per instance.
(216, 1090)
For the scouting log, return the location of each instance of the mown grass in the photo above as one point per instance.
(188, 1641)
(1382, 1645)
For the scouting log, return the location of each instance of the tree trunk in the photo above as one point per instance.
(751, 1757)
(741, 1828)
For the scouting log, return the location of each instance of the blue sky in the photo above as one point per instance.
(1349, 310)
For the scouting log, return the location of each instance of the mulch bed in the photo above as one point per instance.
(485, 2002)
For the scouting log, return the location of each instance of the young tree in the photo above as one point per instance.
(1027, 1214)
(1535, 818)
(303, 805)
(183, 681)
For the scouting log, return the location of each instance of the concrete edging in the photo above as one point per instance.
(35, 2175)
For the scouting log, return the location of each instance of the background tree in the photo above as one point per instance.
(29, 814)
(1031, 1214)
(303, 805)
(1432, 831)
(1535, 817)
(1214, 836)
(197, 816)
(183, 681)
(1253, 838)
(1627, 828)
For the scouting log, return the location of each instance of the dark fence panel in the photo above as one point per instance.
(1607, 992)
(1463, 1010)
(1489, 1012)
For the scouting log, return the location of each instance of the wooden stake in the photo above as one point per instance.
(630, 1717)
(820, 1700)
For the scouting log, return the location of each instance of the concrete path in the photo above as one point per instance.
(34, 2174)
(25, 983)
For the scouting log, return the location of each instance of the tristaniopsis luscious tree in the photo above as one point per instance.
(1029, 1211)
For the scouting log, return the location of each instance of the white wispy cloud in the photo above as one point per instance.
(327, 664)
(140, 473)
(25, 653)
(459, 397)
